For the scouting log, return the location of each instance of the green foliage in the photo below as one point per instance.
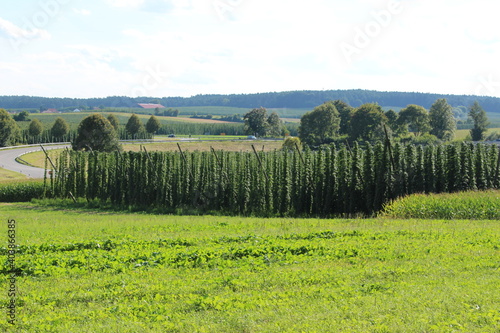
(23, 191)
(134, 125)
(60, 128)
(256, 122)
(22, 116)
(153, 125)
(9, 131)
(291, 144)
(480, 119)
(415, 118)
(442, 122)
(320, 125)
(113, 120)
(35, 128)
(97, 134)
(275, 124)
(455, 206)
(345, 113)
(329, 182)
(85, 270)
(367, 123)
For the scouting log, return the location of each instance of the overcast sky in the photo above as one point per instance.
(91, 48)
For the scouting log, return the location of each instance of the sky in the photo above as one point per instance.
(162, 48)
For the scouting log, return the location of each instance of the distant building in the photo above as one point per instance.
(76, 110)
(50, 111)
(151, 106)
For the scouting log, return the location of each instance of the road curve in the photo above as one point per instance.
(8, 159)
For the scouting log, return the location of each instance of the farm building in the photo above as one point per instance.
(50, 111)
(151, 106)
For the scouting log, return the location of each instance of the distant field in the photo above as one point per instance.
(462, 134)
(74, 119)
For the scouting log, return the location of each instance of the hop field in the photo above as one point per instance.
(94, 271)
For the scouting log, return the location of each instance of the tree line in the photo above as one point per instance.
(287, 99)
(336, 119)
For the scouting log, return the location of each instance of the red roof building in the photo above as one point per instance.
(151, 106)
(50, 111)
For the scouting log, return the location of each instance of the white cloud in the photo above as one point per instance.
(125, 3)
(84, 12)
(11, 30)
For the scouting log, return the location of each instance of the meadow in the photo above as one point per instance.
(95, 271)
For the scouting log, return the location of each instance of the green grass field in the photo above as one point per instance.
(7, 176)
(463, 134)
(73, 119)
(95, 271)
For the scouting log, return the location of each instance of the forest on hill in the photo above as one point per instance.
(288, 99)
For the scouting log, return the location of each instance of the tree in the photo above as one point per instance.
(480, 119)
(275, 125)
(22, 116)
(153, 125)
(96, 133)
(134, 125)
(414, 118)
(367, 123)
(392, 122)
(113, 121)
(60, 128)
(256, 122)
(345, 112)
(320, 125)
(35, 128)
(9, 131)
(442, 122)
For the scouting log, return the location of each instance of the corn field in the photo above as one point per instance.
(331, 182)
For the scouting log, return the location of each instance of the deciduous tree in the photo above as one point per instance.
(256, 122)
(9, 131)
(345, 113)
(415, 118)
(113, 121)
(367, 123)
(134, 125)
(35, 128)
(320, 125)
(480, 119)
(153, 125)
(442, 122)
(96, 133)
(60, 128)
(275, 124)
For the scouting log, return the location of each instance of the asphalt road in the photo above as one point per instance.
(8, 159)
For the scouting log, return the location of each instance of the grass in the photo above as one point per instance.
(95, 271)
(7, 176)
(74, 119)
(38, 158)
(461, 135)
